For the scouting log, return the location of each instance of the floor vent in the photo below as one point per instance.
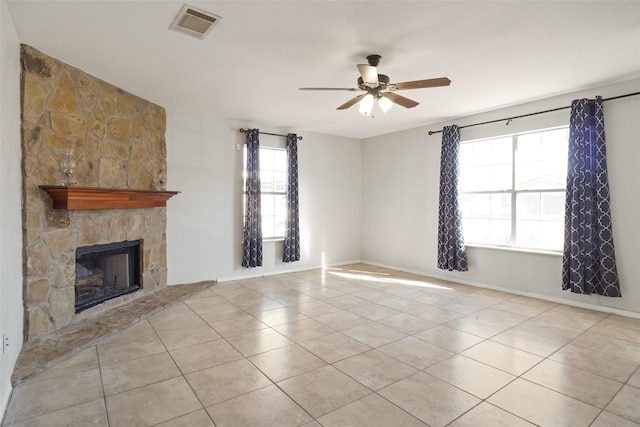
(194, 22)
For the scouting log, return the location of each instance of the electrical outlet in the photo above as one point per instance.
(5, 343)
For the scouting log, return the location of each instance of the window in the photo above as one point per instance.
(513, 188)
(273, 187)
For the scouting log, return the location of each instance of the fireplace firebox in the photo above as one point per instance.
(106, 271)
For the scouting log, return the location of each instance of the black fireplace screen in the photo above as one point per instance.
(106, 271)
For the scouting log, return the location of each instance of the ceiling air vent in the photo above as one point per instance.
(194, 22)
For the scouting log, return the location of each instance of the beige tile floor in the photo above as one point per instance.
(350, 346)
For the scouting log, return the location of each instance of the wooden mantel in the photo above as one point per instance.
(74, 198)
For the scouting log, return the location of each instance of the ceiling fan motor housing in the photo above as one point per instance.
(383, 81)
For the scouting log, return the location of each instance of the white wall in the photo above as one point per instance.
(204, 222)
(10, 202)
(400, 201)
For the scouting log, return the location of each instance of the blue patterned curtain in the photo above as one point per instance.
(292, 227)
(252, 242)
(588, 263)
(451, 251)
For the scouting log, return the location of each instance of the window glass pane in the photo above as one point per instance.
(466, 154)
(500, 177)
(475, 178)
(501, 150)
(496, 205)
(540, 222)
(280, 179)
(487, 218)
(481, 152)
(280, 215)
(528, 206)
(268, 218)
(541, 160)
(486, 165)
(501, 206)
(555, 143)
(268, 226)
(481, 206)
(552, 206)
(268, 204)
(280, 160)
(465, 205)
(274, 215)
(528, 174)
(280, 206)
(552, 235)
(555, 146)
(487, 231)
(500, 232)
(266, 159)
(528, 147)
(487, 152)
(547, 235)
(266, 180)
(476, 230)
(528, 233)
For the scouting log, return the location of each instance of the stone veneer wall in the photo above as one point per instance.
(118, 141)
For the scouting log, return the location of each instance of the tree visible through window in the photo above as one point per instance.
(513, 189)
(273, 186)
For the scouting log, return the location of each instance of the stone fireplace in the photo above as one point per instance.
(118, 142)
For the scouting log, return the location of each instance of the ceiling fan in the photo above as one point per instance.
(378, 87)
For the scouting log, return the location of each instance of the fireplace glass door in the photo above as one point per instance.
(106, 271)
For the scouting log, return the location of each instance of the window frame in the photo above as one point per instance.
(274, 238)
(513, 192)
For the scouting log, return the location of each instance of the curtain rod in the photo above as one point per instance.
(267, 133)
(508, 119)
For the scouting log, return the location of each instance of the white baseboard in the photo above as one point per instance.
(601, 308)
(284, 271)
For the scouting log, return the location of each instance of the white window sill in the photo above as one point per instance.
(272, 239)
(510, 249)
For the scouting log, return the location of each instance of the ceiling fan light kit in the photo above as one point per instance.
(366, 105)
(385, 104)
(378, 88)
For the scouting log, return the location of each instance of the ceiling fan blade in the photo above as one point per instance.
(350, 89)
(419, 84)
(400, 100)
(369, 75)
(351, 102)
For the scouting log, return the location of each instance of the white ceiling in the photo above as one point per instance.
(496, 53)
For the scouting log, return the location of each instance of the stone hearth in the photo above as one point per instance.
(47, 350)
(118, 141)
